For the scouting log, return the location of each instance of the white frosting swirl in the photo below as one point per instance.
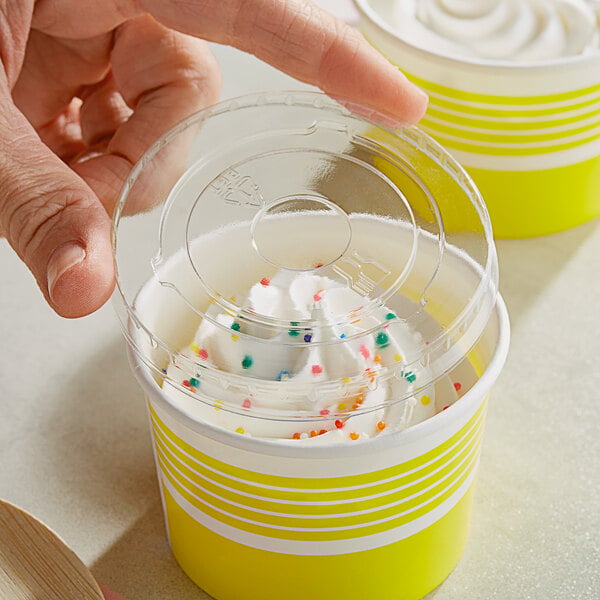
(330, 353)
(512, 30)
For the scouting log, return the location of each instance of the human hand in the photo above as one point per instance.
(87, 87)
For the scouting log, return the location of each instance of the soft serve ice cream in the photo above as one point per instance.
(345, 372)
(510, 30)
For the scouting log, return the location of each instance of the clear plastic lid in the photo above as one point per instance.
(281, 248)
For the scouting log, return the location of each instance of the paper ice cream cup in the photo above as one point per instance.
(528, 133)
(266, 517)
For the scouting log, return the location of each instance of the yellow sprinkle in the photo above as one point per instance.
(397, 357)
(232, 298)
(342, 406)
(354, 435)
(235, 338)
(425, 400)
(194, 347)
(218, 406)
(355, 322)
(240, 430)
(347, 380)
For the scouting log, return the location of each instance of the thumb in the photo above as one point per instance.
(52, 219)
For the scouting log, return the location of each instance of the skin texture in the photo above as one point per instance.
(86, 87)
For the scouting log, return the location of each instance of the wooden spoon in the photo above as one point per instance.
(36, 565)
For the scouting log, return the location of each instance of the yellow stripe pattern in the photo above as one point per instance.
(511, 125)
(319, 508)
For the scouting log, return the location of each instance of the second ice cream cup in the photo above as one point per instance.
(269, 515)
(527, 132)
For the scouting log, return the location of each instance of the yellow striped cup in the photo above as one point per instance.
(250, 518)
(253, 518)
(528, 134)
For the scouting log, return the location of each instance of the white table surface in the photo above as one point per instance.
(75, 447)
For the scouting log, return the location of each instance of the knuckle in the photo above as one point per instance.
(33, 212)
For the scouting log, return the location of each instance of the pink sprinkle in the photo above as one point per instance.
(364, 351)
(317, 369)
(265, 281)
(203, 354)
(324, 412)
(246, 403)
(457, 386)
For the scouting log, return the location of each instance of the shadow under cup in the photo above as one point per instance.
(256, 517)
(528, 133)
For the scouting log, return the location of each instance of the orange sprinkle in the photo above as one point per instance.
(355, 406)
(322, 431)
(377, 358)
(381, 425)
(359, 399)
(296, 436)
(314, 433)
(354, 435)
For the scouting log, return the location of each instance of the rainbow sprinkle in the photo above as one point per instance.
(283, 374)
(382, 340)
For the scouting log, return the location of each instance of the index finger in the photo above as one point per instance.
(306, 42)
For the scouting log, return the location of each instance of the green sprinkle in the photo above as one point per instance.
(390, 316)
(382, 340)
(247, 362)
(410, 376)
(294, 332)
(194, 382)
(236, 326)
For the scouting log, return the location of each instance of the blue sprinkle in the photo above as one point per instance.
(283, 373)
(343, 335)
(307, 337)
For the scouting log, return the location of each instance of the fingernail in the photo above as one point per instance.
(65, 257)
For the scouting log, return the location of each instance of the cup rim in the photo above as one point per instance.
(377, 444)
(372, 16)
